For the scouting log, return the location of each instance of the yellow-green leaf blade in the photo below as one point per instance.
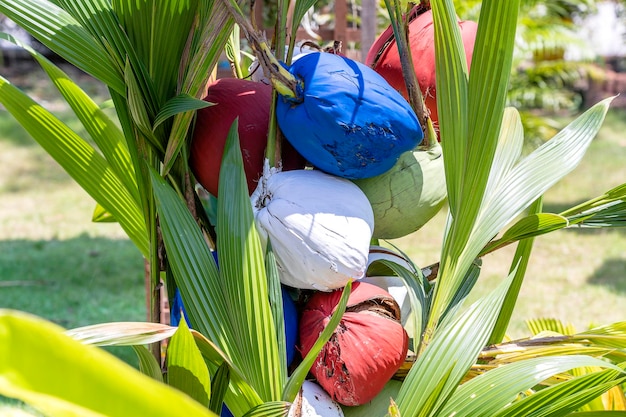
(91, 378)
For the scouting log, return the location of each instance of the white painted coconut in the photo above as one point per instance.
(319, 226)
(313, 401)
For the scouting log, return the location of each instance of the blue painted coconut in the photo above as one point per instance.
(346, 119)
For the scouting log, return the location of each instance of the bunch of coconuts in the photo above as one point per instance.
(351, 172)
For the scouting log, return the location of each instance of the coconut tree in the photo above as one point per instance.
(156, 59)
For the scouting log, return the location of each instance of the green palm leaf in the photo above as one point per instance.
(159, 44)
(607, 210)
(179, 104)
(101, 20)
(563, 398)
(477, 397)
(230, 306)
(104, 132)
(198, 60)
(219, 387)
(193, 266)
(269, 409)
(524, 182)
(452, 96)
(276, 304)
(148, 364)
(452, 351)
(79, 159)
(255, 342)
(469, 131)
(186, 369)
(240, 396)
(520, 263)
(63, 34)
(97, 17)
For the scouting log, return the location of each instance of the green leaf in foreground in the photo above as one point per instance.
(47, 369)
(186, 369)
(563, 398)
(452, 352)
(477, 397)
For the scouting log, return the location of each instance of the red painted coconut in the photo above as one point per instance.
(383, 56)
(250, 102)
(366, 349)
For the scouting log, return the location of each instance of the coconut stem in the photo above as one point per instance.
(400, 25)
(282, 81)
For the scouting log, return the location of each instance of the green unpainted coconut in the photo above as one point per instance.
(408, 195)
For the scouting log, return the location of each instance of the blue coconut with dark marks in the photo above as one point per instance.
(346, 119)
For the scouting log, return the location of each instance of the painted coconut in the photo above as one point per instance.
(367, 348)
(408, 195)
(319, 226)
(384, 58)
(313, 401)
(250, 102)
(347, 120)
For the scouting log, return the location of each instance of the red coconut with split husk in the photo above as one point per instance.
(250, 102)
(366, 349)
(383, 56)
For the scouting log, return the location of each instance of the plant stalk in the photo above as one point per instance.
(282, 81)
(400, 25)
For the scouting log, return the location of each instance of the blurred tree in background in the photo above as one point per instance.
(544, 80)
